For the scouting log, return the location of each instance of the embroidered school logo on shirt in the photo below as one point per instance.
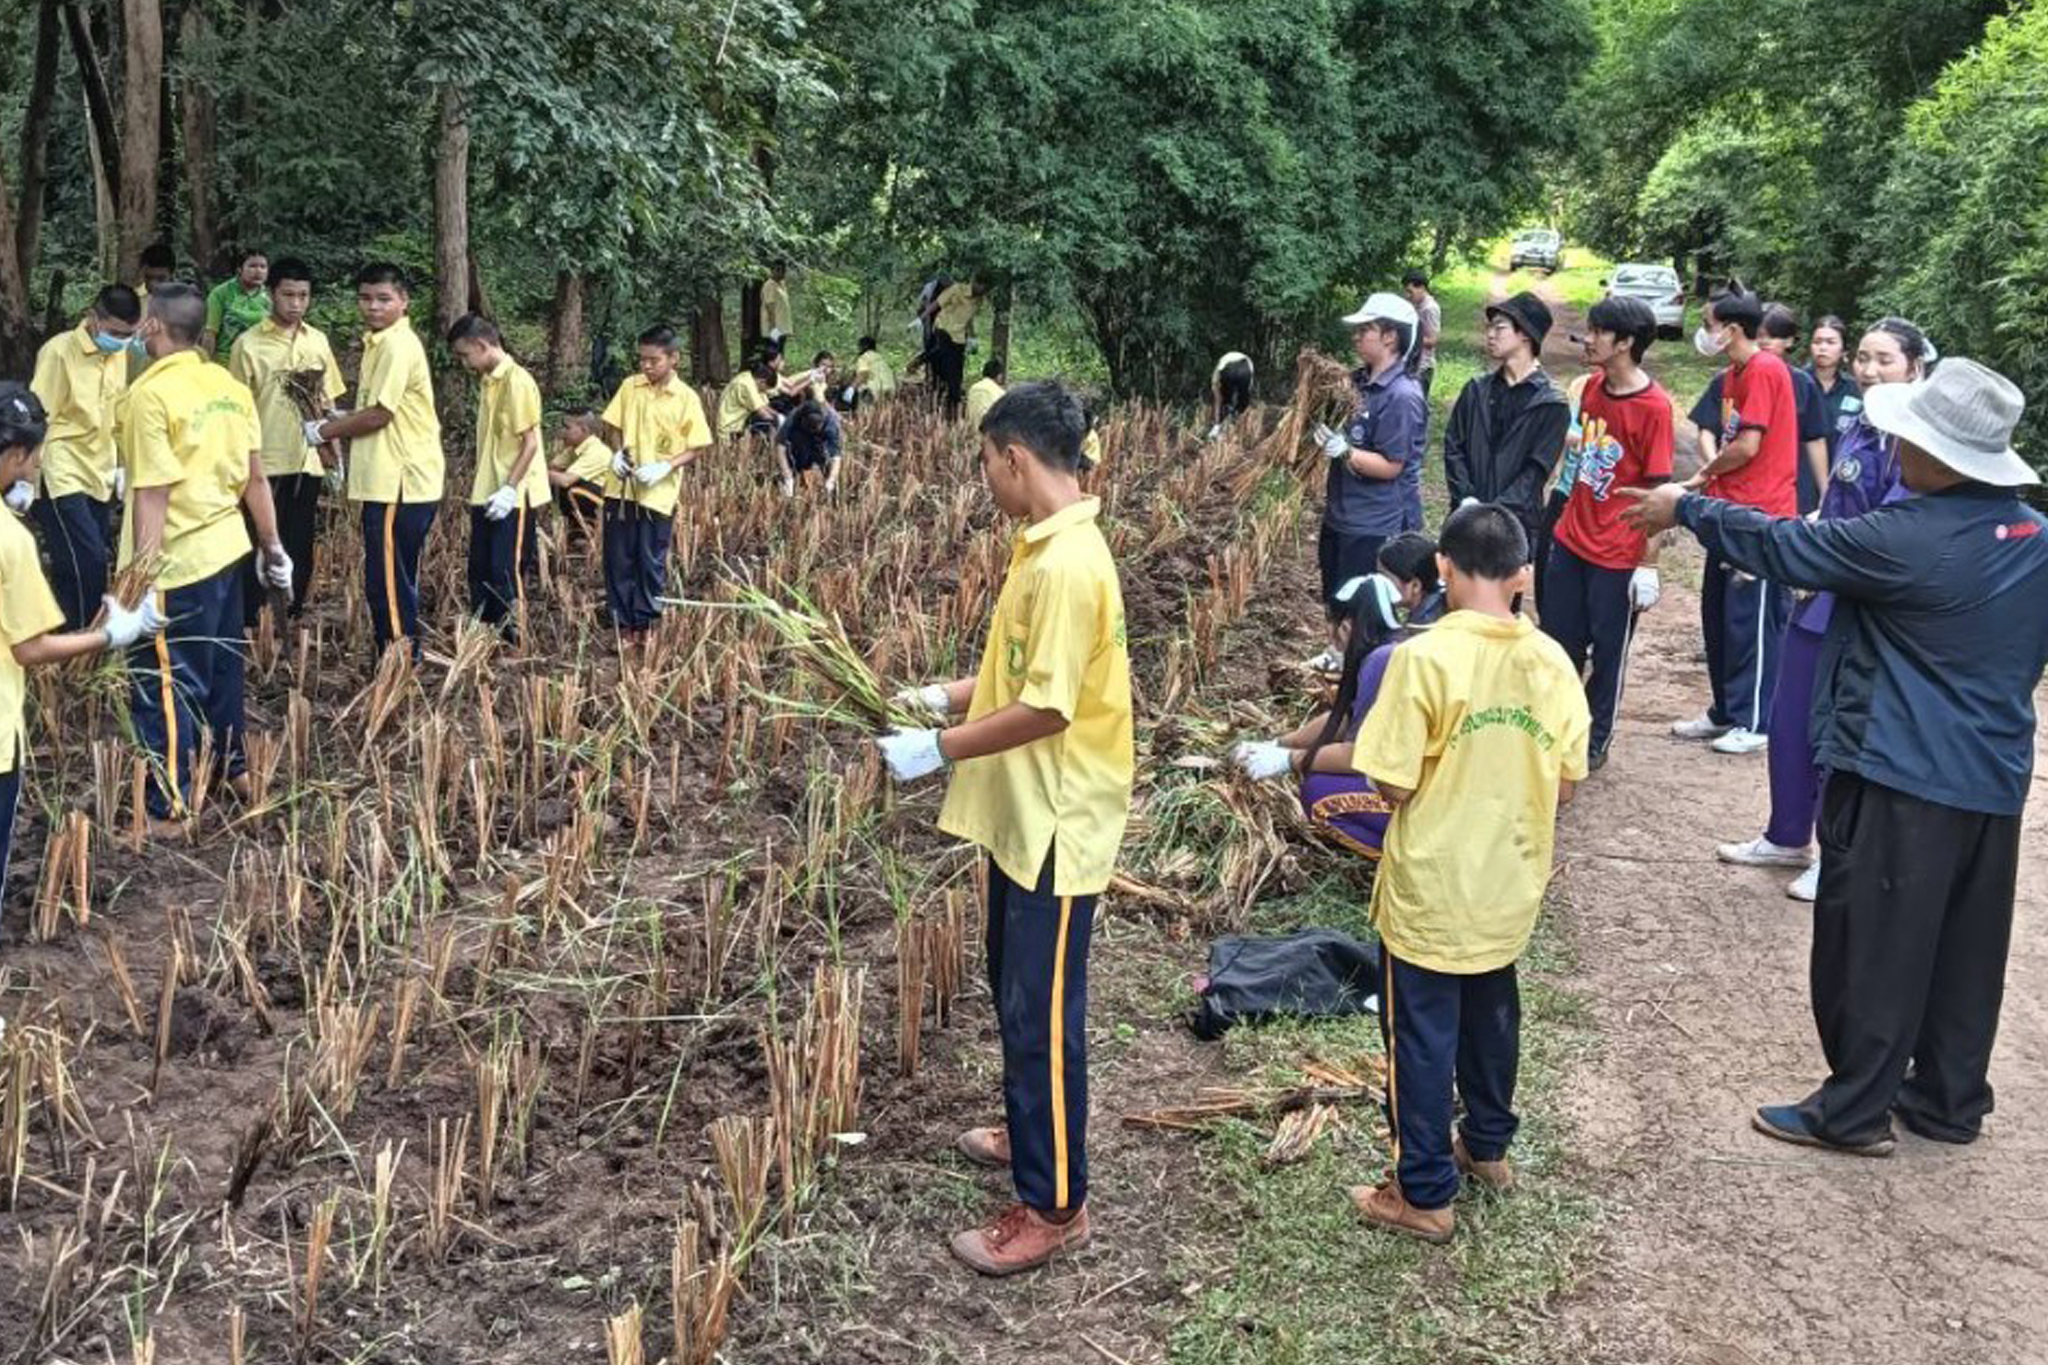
(1599, 453)
(1514, 717)
(1013, 655)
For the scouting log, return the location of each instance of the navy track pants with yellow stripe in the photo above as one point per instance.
(1038, 974)
(501, 559)
(394, 534)
(190, 676)
(1445, 1031)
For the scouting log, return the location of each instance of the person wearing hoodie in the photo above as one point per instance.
(1508, 426)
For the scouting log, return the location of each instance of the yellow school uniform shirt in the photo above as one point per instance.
(190, 426)
(873, 372)
(665, 423)
(956, 310)
(774, 306)
(1091, 449)
(981, 396)
(507, 407)
(80, 387)
(263, 358)
(1479, 717)
(404, 461)
(590, 462)
(1056, 643)
(26, 610)
(741, 400)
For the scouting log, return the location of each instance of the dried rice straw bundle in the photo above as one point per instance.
(1322, 393)
(308, 391)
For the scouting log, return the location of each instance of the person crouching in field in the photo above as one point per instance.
(658, 423)
(579, 480)
(1042, 782)
(810, 439)
(1479, 728)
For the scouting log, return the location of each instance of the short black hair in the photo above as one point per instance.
(475, 327)
(1411, 557)
(579, 412)
(762, 366)
(1738, 308)
(1484, 540)
(1043, 417)
(994, 369)
(1627, 318)
(285, 269)
(662, 335)
(158, 256)
(865, 344)
(1779, 322)
(1415, 277)
(119, 302)
(22, 420)
(181, 308)
(821, 357)
(812, 416)
(384, 272)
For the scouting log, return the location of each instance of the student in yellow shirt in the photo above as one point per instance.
(951, 312)
(656, 422)
(80, 376)
(743, 407)
(1478, 731)
(395, 464)
(29, 616)
(983, 395)
(511, 484)
(192, 448)
(1042, 782)
(775, 314)
(579, 481)
(874, 379)
(265, 358)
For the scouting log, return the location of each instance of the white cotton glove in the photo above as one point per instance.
(1463, 503)
(846, 395)
(911, 754)
(501, 503)
(932, 699)
(1333, 443)
(277, 567)
(119, 479)
(1215, 430)
(1260, 759)
(334, 480)
(653, 472)
(310, 428)
(1643, 589)
(125, 627)
(788, 485)
(622, 463)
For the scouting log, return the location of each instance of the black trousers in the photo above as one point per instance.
(1342, 556)
(501, 557)
(297, 500)
(1448, 1034)
(949, 368)
(1585, 609)
(636, 545)
(78, 537)
(1038, 973)
(1909, 945)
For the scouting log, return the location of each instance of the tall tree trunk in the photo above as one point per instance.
(35, 139)
(17, 341)
(708, 363)
(999, 326)
(566, 346)
(142, 73)
(195, 103)
(451, 227)
(750, 316)
(104, 146)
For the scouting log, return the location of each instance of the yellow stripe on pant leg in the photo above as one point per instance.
(519, 557)
(1393, 1046)
(391, 569)
(1059, 1067)
(170, 705)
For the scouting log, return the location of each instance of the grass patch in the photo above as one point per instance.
(1289, 1276)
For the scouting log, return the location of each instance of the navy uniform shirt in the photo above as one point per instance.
(1940, 634)
(1845, 405)
(1392, 420)
(808, 450)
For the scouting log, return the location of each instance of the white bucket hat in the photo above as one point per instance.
(1962, 415)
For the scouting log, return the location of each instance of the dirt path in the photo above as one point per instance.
(1725, 1247)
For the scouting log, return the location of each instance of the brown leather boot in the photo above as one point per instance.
(1019, 1239)
(1497, 1176)
(1386, 1207)
(988, 1147)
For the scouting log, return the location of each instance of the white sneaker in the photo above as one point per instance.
(1806, 886)
(1761, 852)
(1372, 1003)
(1329, 661)
(1741, 741)
(1701, 726)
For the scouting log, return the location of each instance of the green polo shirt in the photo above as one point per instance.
(231, 311)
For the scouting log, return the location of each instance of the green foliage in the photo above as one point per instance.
(1965, 247)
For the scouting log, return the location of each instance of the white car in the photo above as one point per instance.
(1656, 285)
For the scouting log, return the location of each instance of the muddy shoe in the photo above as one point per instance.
(988, 1147)
(1497, 1176)
(1386, 1207)
(1020, 1239)
(1785, 1123)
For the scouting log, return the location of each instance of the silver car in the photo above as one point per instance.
(1539, 248)
(1656, 285)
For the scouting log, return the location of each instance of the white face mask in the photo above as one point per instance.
(20, 495)
(1709, 343)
